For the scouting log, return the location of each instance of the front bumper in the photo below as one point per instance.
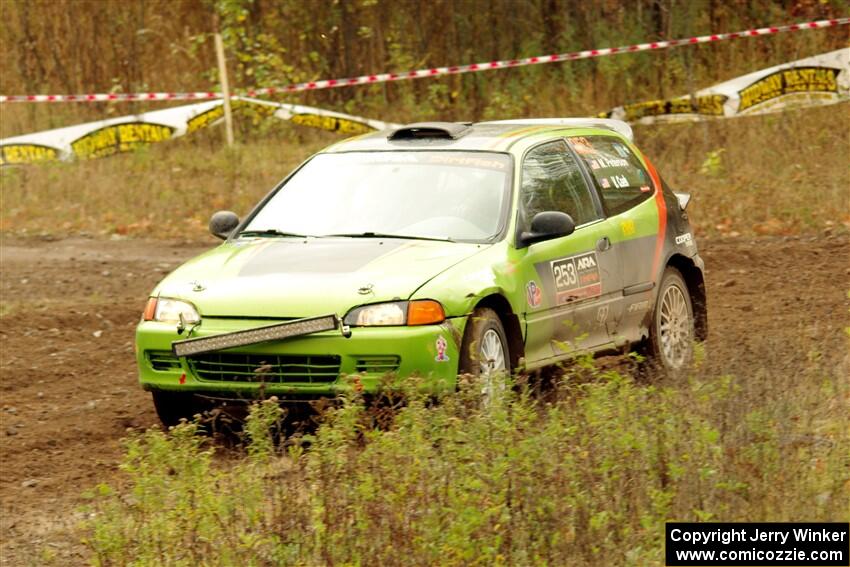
(308, 366)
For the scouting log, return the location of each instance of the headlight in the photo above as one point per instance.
(419, 312)
(167, 310)
(378, 315)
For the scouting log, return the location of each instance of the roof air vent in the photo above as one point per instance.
(430, 130)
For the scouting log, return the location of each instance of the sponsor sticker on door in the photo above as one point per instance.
(576, 278)
(533, 294)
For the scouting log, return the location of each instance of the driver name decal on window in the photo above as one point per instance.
(621, 178)
(604, 162)
(576, 278)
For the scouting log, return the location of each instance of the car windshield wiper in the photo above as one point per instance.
(370, 234)
(270, 232)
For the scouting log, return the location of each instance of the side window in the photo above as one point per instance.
(619, 176)
(552, 181)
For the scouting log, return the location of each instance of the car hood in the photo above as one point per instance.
(287, 277)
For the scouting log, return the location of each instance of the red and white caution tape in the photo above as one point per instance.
(111, 97)
(435, 71)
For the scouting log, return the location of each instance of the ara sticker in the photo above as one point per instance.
(576, 278)
(605, 183)
(533, 294)
(594, 164)
(441, 345)
(644, 188)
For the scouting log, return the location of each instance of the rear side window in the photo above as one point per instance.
(617, 172)
(552, 181)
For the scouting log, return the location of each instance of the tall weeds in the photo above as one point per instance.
(585, 476)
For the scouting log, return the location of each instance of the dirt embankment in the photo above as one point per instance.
(68, 379)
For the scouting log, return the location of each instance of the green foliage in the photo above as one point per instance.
(258, 56)
(585, 476)
(713, 164)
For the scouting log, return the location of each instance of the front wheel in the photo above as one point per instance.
(670, 347)
(484, 352)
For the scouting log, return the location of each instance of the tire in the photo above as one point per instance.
(171, 407)
(670, 347)
(484, 352)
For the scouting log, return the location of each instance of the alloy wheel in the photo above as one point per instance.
(675, 327)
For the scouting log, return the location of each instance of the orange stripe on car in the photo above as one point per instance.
(507, 136)
(662, 215)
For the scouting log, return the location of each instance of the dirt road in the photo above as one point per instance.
(68, 309)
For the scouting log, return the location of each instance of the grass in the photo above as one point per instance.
(167, 190)
(585, 475)
(777, 174)
(781, 173)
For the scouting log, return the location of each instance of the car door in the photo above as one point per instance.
(626, 190)
(573, 282)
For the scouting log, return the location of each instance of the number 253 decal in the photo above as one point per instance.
(576, 278)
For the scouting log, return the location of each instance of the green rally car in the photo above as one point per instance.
(433, 249)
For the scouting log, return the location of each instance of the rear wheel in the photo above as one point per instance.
(670, 347)
(171, 407)
(484, 352)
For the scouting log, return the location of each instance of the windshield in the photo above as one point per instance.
(439, 195)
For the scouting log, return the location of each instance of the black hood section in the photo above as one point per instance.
(322, 257)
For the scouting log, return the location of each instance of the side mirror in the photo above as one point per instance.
(222, 224)
(546, 226)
